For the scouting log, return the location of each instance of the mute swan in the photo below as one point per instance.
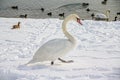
(56, 48)
(101, 16)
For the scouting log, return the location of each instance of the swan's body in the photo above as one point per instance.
(101, 16)
(52, 50)
(56, 48)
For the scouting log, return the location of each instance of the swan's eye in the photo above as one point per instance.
(78, 20)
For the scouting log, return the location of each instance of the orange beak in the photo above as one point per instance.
(78, 20)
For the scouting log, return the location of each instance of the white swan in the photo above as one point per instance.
(56, 48)
(101, 16)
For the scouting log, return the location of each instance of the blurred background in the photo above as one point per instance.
(57, 8)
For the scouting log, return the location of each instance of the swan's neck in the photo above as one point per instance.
(68, 35)
(108, 14)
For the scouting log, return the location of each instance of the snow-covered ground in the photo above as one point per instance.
(97, 56)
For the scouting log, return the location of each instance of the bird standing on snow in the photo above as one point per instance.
(16, 26)
(57, 48)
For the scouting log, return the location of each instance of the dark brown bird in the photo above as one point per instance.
(23, 16)
(118, 13)
(115, 18)
(42, 9)
(92, 15)
(87, 9)
(62, 15)
(85, 4)
(15, 7)
(16, 26)
(49, 14)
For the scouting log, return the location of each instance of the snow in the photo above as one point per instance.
(97, 56)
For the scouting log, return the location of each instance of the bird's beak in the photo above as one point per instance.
(78, 20)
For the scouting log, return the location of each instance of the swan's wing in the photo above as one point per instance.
(53, 48)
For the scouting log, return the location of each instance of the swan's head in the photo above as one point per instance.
(74, 17)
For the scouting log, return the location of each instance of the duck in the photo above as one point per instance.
(104, 2)
(49, 14)
(115, 19)
(85, 4)
(56, 48)
(92, 15)
(87, 9)
(62, 15)
(23, 16)
(14, 7)
(118, 13)
(16, 26)
(42, 9)
(101, 16)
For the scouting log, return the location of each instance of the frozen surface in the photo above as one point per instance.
(97, 56)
